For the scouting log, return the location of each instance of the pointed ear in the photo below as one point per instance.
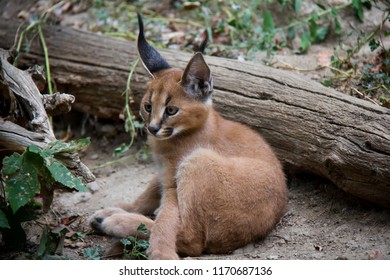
(203, 44)
(151, 59)
(197, 80)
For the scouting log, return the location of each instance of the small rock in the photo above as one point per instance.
(82, 197)
(94, 156)
(108, 130)
(375, 255)
(273, 257)
(93, 187)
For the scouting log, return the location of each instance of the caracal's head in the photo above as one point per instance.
(176, 101)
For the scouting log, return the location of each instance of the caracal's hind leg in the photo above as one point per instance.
(226, 203)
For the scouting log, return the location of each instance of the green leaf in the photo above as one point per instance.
(305, 42)
(21, 178)
(126, 241)
(291, 33)
(337, 25)
(312, 29)
(62, 175)
(321, 33)
(374, 44)
(51, 245)
(61, 230)
(143, 244)
(11, 164)
(315, 16)
(142, 228)
(232, 22)
(92, 253)
(321, 6)
(129, 124)
(69, 147)
(3, 220)
(268, 22)
(358, 7)
(23, 173)
(78, 235)
(45, 239)
(297, 5)
(122, 149)
(139, 125)
(21, 189)
(327, 83)
(367, 4)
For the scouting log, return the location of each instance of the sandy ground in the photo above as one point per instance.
(321, 221)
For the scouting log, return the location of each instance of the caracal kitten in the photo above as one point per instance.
(220, 185)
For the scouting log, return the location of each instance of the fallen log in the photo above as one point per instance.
(312, 128)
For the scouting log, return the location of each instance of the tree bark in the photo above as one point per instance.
(312, 128)
(25, 121)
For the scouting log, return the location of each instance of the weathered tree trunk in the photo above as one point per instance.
(312, 128)
(26, 122)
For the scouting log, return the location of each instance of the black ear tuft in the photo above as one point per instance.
(203, 44)
(150, 57)
(197, 80)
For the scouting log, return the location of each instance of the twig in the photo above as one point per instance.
(129, 35)
(290, 67)
(180, 21)
(346, 74)
(108, 163)
(364, 96)
(51, 9)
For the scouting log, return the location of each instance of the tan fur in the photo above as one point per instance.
(220, 186)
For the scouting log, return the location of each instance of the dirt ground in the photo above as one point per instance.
(321, 221)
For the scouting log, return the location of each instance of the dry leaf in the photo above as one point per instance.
(323, 58)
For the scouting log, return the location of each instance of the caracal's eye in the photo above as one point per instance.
(148, 107)
(171, 110)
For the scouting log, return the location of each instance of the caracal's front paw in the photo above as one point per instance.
(96, 220)
(112, 222)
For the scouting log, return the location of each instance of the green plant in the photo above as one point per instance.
(131, 124)
(134, 247)
(247, 26)
(369, 79)
(36, 27)
(375, 76)
(92, 253)
(36, 171)
(251, 25)
(51, 245)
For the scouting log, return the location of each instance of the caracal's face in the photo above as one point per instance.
(167, 110)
